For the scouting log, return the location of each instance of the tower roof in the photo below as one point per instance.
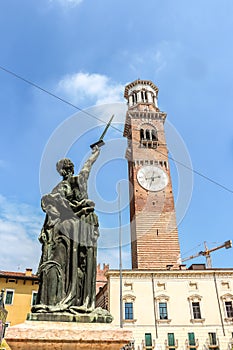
(141, 82)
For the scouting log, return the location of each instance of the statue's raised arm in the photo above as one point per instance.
(85, 171)
(79, 182)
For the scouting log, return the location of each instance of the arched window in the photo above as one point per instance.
(141, 134)
(144, 96)
(148, 135)
(154, 135)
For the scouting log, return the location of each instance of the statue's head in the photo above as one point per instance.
(65, 167)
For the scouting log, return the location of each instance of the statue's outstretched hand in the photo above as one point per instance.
(95, 150)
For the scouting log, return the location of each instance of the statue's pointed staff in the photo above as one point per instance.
(100, 142)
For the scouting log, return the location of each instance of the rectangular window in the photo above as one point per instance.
(9, 297)
(212, 339)
(34, 297)
(196, 310)
(192, 341)
(163, 315)
(229, 308)
(171, 340)
(148, 341)
(128, 311)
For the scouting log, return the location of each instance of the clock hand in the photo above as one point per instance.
(152, 179)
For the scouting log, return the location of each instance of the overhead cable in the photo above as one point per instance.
(102, 121)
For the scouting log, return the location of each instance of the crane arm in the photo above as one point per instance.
(193, 256)
(206, 252)
(227, 245)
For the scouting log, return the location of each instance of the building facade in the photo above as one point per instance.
(20, 291)
(182, 309)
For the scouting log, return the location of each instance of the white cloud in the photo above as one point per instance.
(20, 225)
(95, 87)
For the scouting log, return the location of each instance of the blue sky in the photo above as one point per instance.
(86, 52)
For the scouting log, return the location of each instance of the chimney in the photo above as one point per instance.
(28, 272)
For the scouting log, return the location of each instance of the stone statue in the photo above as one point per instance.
(67, 269)
(2, 298)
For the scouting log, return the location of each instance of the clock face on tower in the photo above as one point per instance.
(152, 178)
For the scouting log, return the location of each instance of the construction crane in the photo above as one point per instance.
(206, 252)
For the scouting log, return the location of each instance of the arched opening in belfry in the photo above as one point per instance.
(142, 135)
(154, 136)
(149, 137)
(144, 96)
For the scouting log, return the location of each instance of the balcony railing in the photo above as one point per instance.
(213, 346)
(149, 143)
(129, 346)
(171, 347)
(189, 346)
(148, 347)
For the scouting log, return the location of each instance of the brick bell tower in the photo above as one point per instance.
(154, 234)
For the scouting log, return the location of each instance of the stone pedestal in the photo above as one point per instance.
(47, 335)
(98, 315)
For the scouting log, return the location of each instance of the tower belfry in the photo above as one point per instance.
(154, 234)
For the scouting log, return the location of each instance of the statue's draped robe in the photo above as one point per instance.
(67, 269)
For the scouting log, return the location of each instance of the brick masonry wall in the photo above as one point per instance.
(154, 231)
